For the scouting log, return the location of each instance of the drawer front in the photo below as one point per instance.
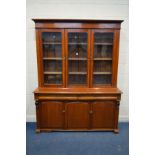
(77, 97)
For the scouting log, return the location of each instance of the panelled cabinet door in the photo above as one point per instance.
(77, 51)
(51, 115)
(103, 115)
(77, 115)
(102, 45)
(52, 57)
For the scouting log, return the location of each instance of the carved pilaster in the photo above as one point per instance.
(118, 103)
(37, 103)
(116, 130)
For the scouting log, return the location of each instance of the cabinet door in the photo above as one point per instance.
(52, 57)
(51, 115)
(103, 115)
(77, 65)
(102, 57)
(77, 115)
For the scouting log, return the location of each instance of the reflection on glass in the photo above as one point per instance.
(102, 79)
(52, 51)
(77, 66)
(51, 37)
(53, 66)
(102, 66)
(77, 51)
(77, 79)
(79, 37)
(103, 37)
(102, 51)
(53, 79)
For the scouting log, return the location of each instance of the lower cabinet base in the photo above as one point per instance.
(95, 112)
(77, 116)
(65, 130)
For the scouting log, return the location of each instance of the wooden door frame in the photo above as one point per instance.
(40, 57)
(113, 105)
(114, 55)
(88, 54)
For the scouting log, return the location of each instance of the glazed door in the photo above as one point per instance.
(103, 114)
(52, 57)
(78, 57)
(77, 115)
(102, 57)
(51, 115)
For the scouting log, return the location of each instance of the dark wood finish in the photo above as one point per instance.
(77, 114)
(69, 23)
(39, 56)
(116, 130)
(103, 114)
(78, 107)
(41, 20)
(115, 57)
(51, 114)
(43, 90)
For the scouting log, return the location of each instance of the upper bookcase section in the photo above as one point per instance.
(77, 23)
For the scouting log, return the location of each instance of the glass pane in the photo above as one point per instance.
(77, 66)
(77, 45)
(52, 51)
(53, 79)
(77, 37)
(102, 79)
(102, 66)
(77, 79)
(51, 37)
(103, 46)
(52, 66)
(77, 51)
(77, 58)
(52, 57)
(102, 51)
(105, 37)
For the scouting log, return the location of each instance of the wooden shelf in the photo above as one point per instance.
(84, 38)
(100, 73)
(49, 84)
(47, 58)
(77, 73)
(51, 43)
(77, 43)
(52, 72)
(102, 58)
(77, 58)
(103, 43)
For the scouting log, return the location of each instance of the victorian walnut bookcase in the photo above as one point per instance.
(77, 75)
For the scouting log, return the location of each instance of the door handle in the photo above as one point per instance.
(91, 112)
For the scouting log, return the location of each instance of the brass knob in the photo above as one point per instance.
(63, 111)
(91, 112)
